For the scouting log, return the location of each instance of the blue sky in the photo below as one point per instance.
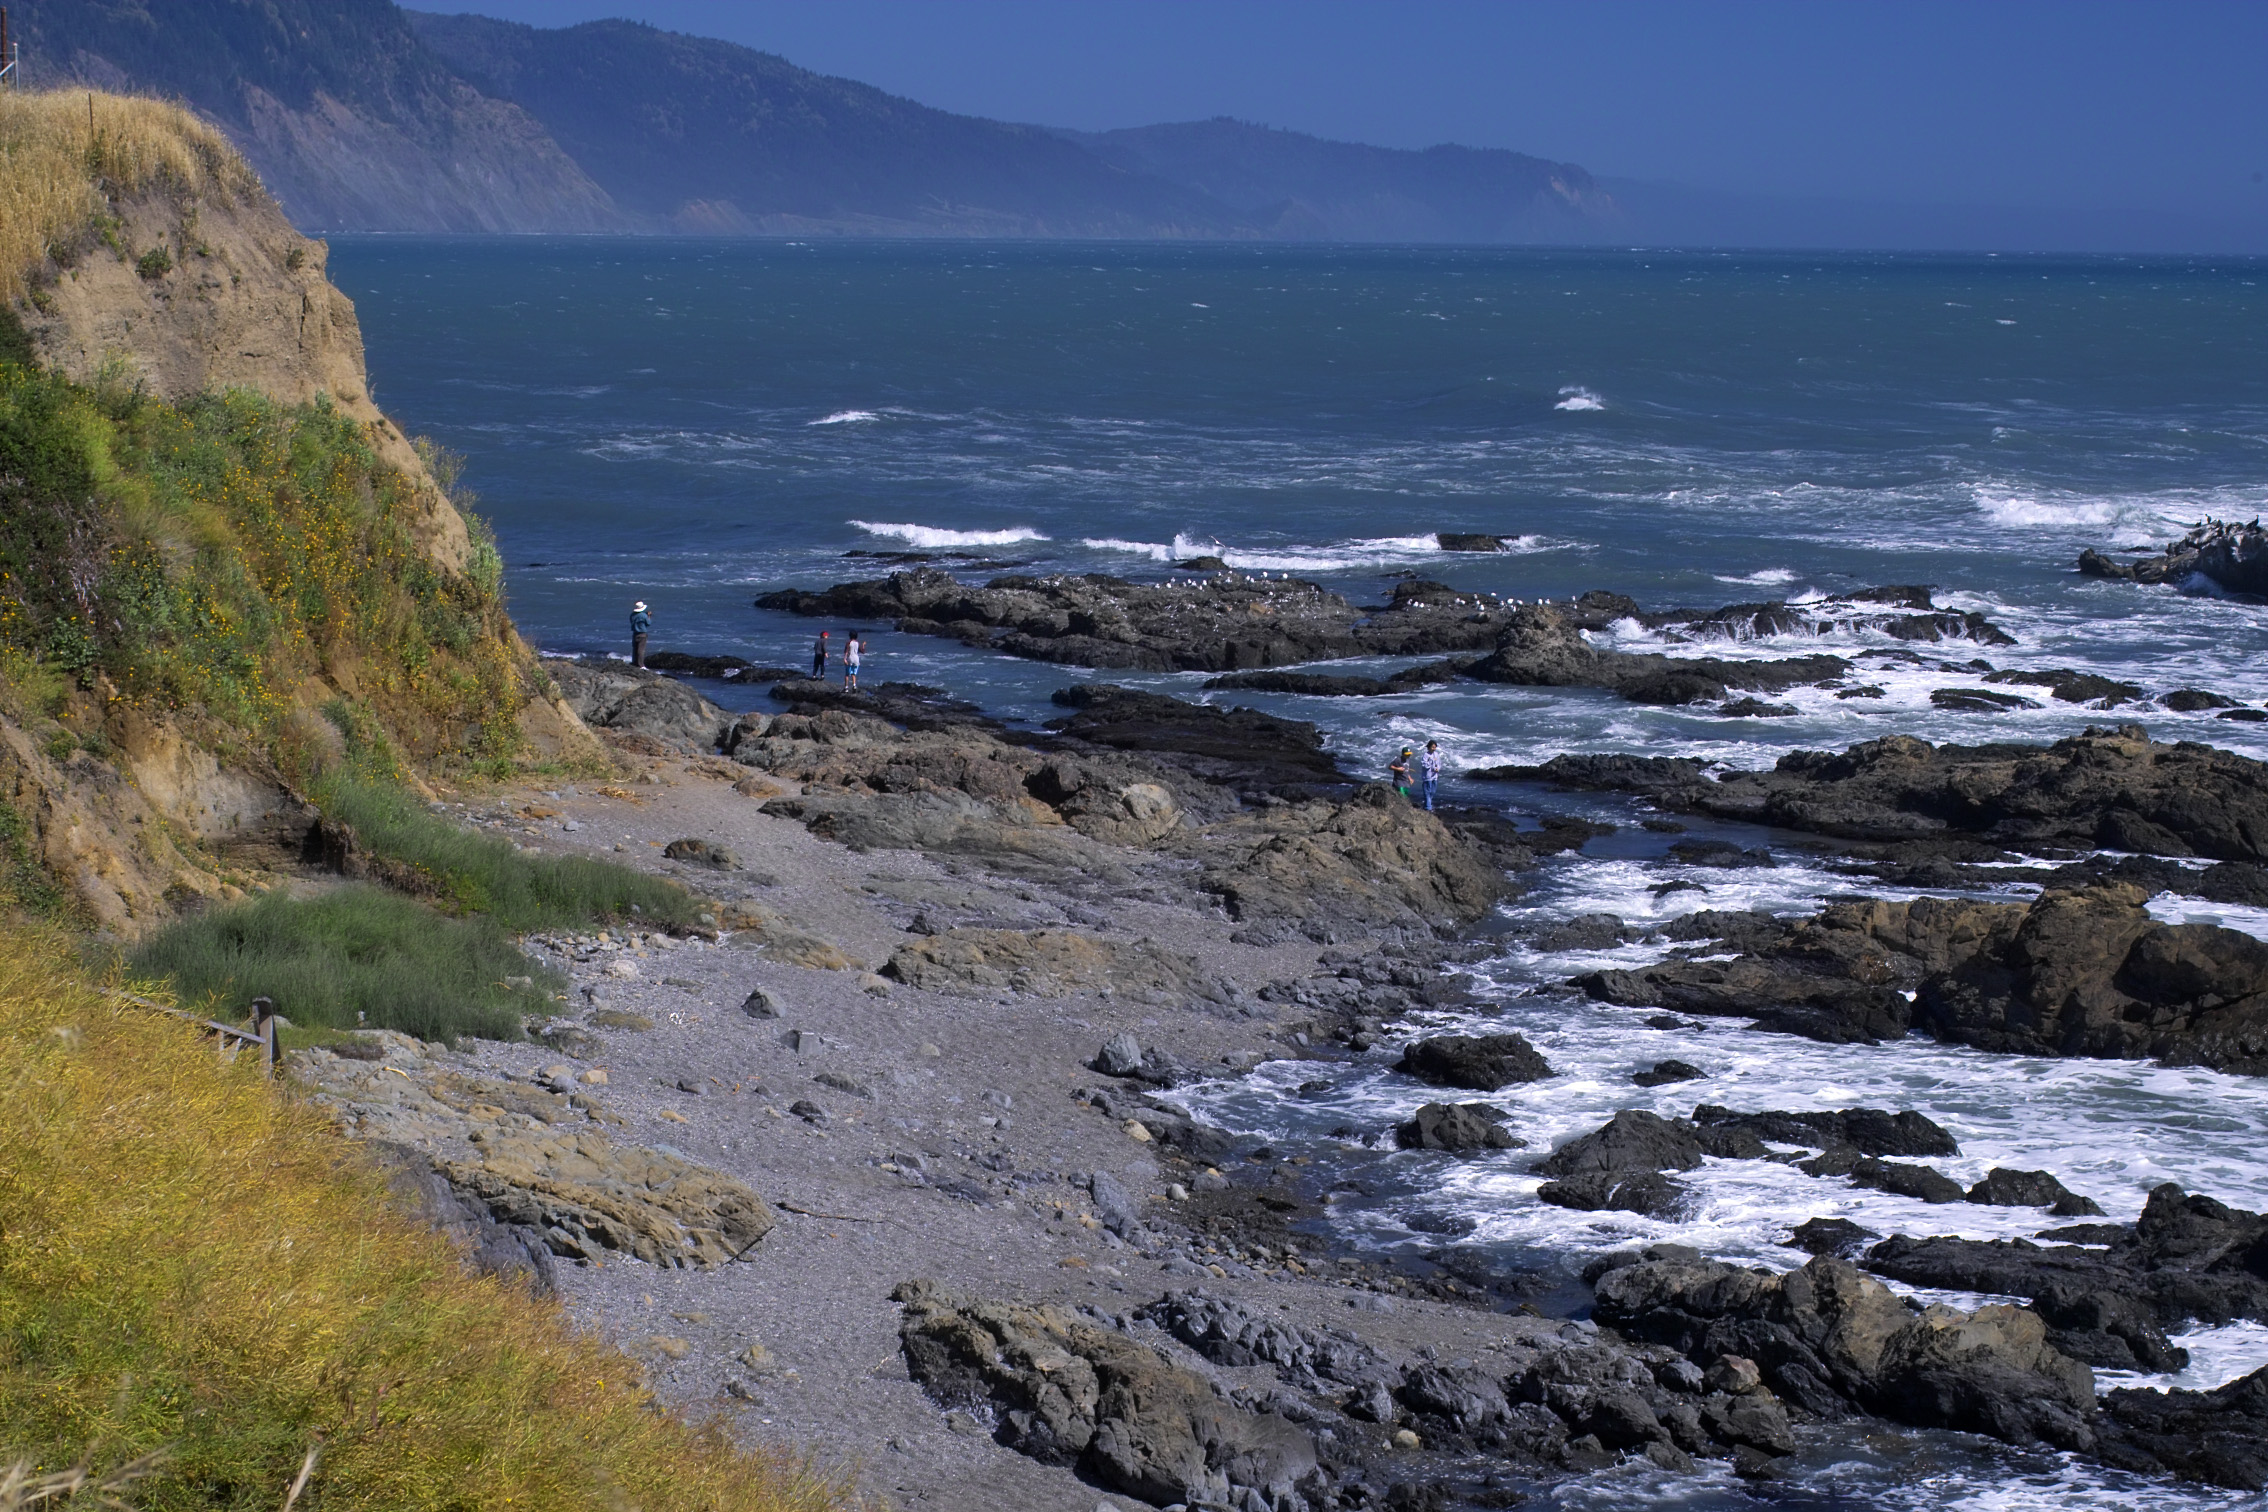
(2076, 104)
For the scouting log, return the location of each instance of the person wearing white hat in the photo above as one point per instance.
(640, 624)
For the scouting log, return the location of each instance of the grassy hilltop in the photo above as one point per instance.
(242, 593)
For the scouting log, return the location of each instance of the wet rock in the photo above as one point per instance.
(1869, 1131)
(1591, 931)
(1329, 685)
(1666, 1072)
(2218, 1437)
(2005, 1188)
(1830, 1236)
(2187, 1259)
(2181, 799)
(2191, 700)
(1622, 1191)
(1828, 1338)
(1633, 1140)
(1978, 701)
(586, 1194)
(1543, 645)
(1900, 1180)
(2079, 971)
(1067, 1392)
(2068, 686)
(1458, 540)
(1756, 708)
(1456, 1128)
(2232, 555)
(1480, 1063)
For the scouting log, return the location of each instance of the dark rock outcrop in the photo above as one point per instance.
(2083, 971)
(2188, 1259)
(2004, 1188)
(2233, 556)
(616, 696)
(2219, 1437)
(1225, 623)
(1828, 1338)
(1619, 1191)
(2105, 787)
(1478, 1063)
(1543, 646)
(1329, 685)
(1066, 1391)
(1456, 1127)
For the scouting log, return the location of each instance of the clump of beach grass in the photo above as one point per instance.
(200, 1278)
(65, 153)
(353, 957)
(481, 874)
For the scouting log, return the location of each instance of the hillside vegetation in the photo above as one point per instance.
(193, 1279)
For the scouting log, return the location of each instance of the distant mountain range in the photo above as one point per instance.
(362, 116)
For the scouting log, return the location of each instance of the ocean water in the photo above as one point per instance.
(696, 423)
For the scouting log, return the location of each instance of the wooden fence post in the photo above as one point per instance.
(264, 1025)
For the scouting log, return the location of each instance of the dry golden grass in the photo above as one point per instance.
(201, 1284)
(62, 152)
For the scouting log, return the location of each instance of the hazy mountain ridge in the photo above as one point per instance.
(350, 120)
(363, 116)
(700, 135)
(1298, 186)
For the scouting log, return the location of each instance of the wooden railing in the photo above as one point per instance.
(230, 1039)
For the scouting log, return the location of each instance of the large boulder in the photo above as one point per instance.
(1477, 1063)
(618, 697)
(1372, 863)
(1457, 1128)
(1067, 1392)
(1829, 1338)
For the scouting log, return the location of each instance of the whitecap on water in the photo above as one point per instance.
(846, 417)
(930, 537)
(1578, 398)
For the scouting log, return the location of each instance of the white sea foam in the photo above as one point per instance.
(1377, 551)
(1578, 398)
(930, 537)
(846, 417)
(1766, 578)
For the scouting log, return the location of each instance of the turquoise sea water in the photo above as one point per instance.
(695, 423)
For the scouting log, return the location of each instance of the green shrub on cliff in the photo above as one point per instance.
(211, 556)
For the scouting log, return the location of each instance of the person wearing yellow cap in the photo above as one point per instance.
(1399, 770)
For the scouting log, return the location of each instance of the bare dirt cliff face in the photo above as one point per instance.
(243, 302)
(184, 294)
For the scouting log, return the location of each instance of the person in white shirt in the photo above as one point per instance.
(854, 651)
(1429, 771)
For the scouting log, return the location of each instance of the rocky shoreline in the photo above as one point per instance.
(886, 1161)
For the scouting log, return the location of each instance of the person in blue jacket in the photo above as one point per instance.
(640, 624)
